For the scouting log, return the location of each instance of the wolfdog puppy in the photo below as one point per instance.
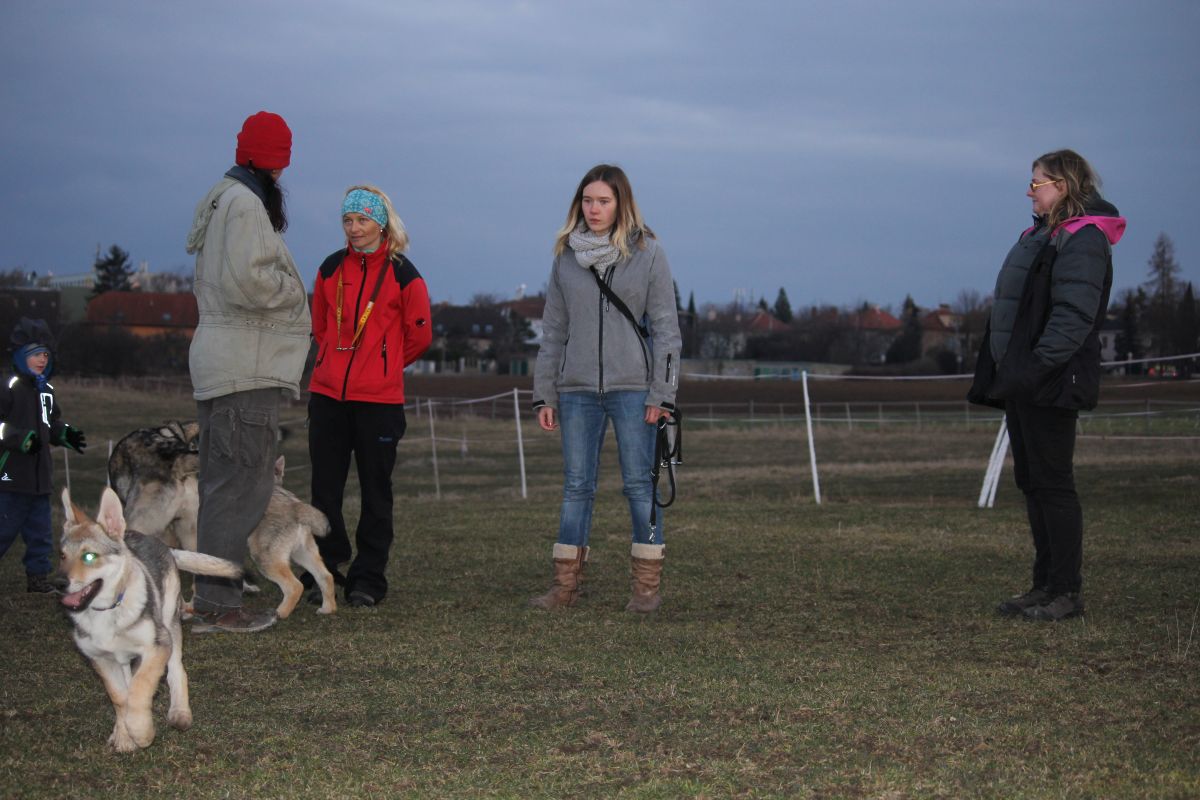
(123, 595)
(284, 535)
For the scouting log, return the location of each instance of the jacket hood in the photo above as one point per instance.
(27, 335)
(204, 212)
(1103, 215)
(1098, 212)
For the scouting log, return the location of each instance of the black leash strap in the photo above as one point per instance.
(607, 291)
(666, 455)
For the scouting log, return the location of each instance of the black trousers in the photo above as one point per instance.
(369, 431)
(1043, 448)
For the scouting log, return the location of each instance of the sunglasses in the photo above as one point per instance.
(1033, 187)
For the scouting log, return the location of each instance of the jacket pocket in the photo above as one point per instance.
(384, 355)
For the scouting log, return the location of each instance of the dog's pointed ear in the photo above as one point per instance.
(111, 516)
(70, 511)
(279, 469)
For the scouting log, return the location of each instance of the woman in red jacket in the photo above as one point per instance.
(370, 320)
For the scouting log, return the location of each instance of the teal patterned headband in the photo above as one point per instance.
(369, 204)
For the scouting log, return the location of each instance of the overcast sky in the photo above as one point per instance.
(847, 152)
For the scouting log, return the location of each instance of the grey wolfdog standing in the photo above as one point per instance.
(154, 473)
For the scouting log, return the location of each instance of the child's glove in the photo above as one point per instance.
(74, 439)
(31, 443)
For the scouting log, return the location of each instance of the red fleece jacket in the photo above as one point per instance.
(396, 333)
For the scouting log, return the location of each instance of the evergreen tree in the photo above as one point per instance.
(112, 272)
(1163, 286)
(783, 308)
(762, 305)
(1187, 328)
(691, 309)
(907, 346)
(1129, 339)
(678, 302)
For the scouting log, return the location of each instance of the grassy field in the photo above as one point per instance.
(842, 650)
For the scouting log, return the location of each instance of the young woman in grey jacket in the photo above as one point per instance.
(595, 365)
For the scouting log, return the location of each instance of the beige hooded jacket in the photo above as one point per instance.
(254, 318)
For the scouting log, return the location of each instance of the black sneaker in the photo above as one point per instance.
(41, 584)
(359, 599)
(1015, 606)
(1059, 607)
(239, 620)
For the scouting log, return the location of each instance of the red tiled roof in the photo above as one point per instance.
(150, 309)
(875, 319)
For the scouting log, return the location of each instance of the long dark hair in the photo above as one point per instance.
(275, 203)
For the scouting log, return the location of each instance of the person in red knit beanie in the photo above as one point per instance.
(251, 343)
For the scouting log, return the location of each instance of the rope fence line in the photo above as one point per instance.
(943, 412)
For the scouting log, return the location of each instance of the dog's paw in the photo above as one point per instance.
(121, 741)
(180, 718)
(327, 608)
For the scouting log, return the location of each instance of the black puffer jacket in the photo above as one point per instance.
(24, 408)
(1052, 353)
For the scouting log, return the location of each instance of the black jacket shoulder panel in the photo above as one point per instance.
(404, 271)
(330, 264)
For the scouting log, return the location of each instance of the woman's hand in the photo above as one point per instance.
(546, 418)
(654, 414)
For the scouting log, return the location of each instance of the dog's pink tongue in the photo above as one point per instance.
(74, 599)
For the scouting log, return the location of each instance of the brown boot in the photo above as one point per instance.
(647, 564)
(569, 562)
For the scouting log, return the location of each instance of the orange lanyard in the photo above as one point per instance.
(362, 320)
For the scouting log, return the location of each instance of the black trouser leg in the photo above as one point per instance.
(378, 430)
(1043, 446)
(330, 443)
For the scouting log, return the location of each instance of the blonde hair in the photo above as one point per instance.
(397, 236)
(629, 225)
(1080, 183)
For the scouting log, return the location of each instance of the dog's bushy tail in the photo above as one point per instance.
(201, 564)
(313, 519)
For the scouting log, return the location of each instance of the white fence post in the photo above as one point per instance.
(812, 448)
(991, 478)
(520, 440)
(437, 483)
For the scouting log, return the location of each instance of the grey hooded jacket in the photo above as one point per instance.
(588, 345)
(254, 318)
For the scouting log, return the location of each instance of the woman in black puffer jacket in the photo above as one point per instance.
(1040, 362)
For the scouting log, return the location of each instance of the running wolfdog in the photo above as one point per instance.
(123, 595)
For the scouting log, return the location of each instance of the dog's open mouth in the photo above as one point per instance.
(78, 601)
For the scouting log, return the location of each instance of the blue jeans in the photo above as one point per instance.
(28, 515)
(583, 418)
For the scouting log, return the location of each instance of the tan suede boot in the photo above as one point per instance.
(569, 562)
(646, 564)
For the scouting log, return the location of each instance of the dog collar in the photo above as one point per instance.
(120, 597)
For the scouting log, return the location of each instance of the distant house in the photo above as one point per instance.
(724, 334)
(940, 330)
(43, 304)
(146, 314)
(864, 336)
(529, 309)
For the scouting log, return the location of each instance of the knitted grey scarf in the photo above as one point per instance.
(592, 250)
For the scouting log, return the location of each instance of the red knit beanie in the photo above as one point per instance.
(266, 140)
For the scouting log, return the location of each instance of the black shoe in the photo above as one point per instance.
(1057, 608)
(1015, 606)
(359, 599)
(42, 584)
(239, 620)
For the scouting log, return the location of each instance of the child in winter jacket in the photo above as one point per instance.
(30, 421)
